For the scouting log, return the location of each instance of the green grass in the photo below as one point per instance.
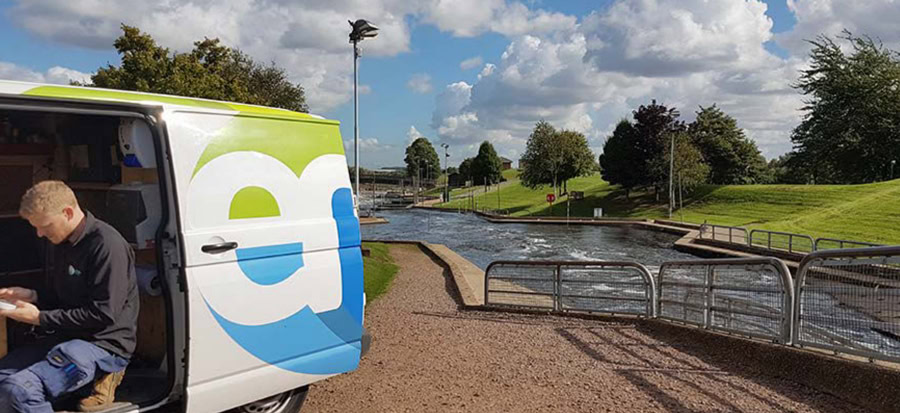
(379, 269)
(869, 212)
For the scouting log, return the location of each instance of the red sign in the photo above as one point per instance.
(551, 198)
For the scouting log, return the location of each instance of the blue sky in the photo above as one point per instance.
(579, 64)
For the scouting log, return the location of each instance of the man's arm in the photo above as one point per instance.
(108, 291)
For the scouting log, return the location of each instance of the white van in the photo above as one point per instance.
(245, 233)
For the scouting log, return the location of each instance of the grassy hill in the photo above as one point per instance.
(869, 212)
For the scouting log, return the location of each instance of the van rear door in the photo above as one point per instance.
(272, 259)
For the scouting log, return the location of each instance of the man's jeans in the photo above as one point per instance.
(33, 376)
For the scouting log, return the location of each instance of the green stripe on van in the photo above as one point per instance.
(293, 143)
(86, 93)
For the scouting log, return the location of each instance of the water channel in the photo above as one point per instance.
(482, 242)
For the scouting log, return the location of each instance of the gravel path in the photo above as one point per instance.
(430, 357)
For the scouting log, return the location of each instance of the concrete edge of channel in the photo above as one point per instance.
(467, 277)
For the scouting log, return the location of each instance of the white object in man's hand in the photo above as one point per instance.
(23, 312)
(6, 305)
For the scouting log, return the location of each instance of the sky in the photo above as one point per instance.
(460, 72)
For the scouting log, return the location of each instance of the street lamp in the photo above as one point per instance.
(447, 183)
(361, 30)
(892, 168)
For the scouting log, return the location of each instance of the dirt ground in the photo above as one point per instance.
(428, 356)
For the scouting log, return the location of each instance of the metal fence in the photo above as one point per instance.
(832, 243)
(603, 286)
(724, 233)
(848, 301)
(751, 296)
(785, 241)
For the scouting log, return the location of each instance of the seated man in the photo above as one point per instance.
(86, 316)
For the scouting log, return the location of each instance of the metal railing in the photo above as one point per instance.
(848, 301)
(785, 241)
(748, 296)
(724, 233)
(601, 287)
(842, 243)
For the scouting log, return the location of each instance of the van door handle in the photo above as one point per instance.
(219, 248)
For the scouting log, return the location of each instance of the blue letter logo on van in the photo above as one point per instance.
(307, 342)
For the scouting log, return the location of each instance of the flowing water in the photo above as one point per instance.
(482, 242)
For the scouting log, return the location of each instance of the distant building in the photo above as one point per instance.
(507, 164)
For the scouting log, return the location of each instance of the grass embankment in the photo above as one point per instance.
(869, 212)
(379, 269)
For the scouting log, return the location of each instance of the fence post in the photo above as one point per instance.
(557, 300)
(707, 310)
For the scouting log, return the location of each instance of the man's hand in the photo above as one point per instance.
(25, 312)
(12, 294)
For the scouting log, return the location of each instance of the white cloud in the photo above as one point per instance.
(875, 18)
(365, 144)
(412, 135)
(309, 38)
(419, 83)
(684, 53)
(471, 63)
(56, 74)
(467, 18)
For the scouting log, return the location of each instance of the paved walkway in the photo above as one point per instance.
(429, 356)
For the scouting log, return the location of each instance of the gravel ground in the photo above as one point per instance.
(428, 356)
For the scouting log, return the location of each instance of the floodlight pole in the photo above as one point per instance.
(671, 176)
(356, 116)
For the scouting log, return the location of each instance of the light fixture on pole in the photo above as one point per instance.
(361, 30)
(892, 168)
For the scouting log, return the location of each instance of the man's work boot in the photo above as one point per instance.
(103, 393)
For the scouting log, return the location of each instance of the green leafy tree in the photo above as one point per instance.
(850, 131)
(620, 158)
(690, 169)
(543, 158)
(578, 159)
(421, 157)
(553, 157)
(486, 166)
(465, 169)
(731, 156)
(209, 71)
(654, 125)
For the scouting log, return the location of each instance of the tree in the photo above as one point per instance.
(690, 169)
(731, 156)
(850, 131)
(578, 160)
(486, 166)
(465, 169)
(619, 163)
(209, 71)
(543, 159)
(553, 157)
(654, 126)
(420, 154)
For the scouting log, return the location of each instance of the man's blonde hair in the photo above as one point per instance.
(47, 197)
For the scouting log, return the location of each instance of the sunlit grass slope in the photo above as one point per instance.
(869, 212)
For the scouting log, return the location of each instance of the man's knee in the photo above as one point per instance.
(21, 392)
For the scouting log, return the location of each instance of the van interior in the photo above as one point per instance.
(92, 154)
